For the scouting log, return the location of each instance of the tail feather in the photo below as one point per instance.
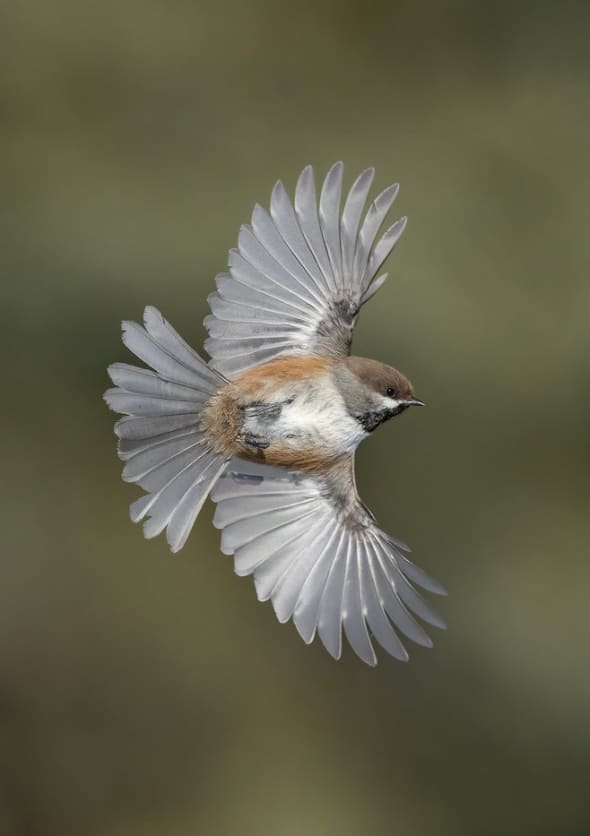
(172, 359)
(135, 428)
(167, 471)
(149, 459)
(129, 447)
(160, 436)
(146, 382)
(170, 496)
(185, 514)
(130, 403)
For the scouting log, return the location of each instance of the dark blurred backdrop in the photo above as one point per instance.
(144, 695)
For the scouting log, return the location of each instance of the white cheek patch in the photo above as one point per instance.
(386, 403)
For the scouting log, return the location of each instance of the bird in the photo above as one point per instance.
(269, 425)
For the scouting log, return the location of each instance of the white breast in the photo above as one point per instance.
(313, 414)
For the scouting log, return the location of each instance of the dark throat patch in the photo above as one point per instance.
(369, 421)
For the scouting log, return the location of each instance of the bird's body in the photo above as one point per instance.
(270, 426)
(286, 413)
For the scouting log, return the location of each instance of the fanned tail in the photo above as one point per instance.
(160, 438)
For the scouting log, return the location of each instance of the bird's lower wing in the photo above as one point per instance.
(300, 274)
(317, 554)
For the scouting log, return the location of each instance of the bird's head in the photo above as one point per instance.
(374, 392)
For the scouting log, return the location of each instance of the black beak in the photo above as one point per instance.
(414, 402)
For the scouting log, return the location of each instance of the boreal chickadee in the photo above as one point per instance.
(269, 426)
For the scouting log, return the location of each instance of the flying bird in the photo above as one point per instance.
(270, 425)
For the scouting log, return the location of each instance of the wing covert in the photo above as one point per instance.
(316, 552)
(300, 274)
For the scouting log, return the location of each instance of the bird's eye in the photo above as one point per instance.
(390, 392)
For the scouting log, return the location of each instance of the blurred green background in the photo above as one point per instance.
(144, 695)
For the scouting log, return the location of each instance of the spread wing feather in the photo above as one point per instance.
(318, 555)
(300, 273)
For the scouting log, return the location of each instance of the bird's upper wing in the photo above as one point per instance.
(299, 276)
(317, 553)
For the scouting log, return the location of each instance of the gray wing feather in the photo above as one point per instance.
(306, 209)
(233, 348)
(271, 578)
(270, 239)
(228, 330)
(383, 248)
(370, 227)
(375, 285)
(243, 291)
(377, 621)
(256, 267)
(419, 576)
(392, 604)
(231, 310)
(330, 220)
(351, 217)
(270, 570)
(414, 602)
(247, 530)
(331, 604)
(285, 220)
(307, 609)
(353, 605)
(228, 513)
(318, 555)
(287, 590)
(234, 365)
(300, 273)
(275, 542)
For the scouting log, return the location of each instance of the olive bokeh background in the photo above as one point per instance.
(145, 695)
